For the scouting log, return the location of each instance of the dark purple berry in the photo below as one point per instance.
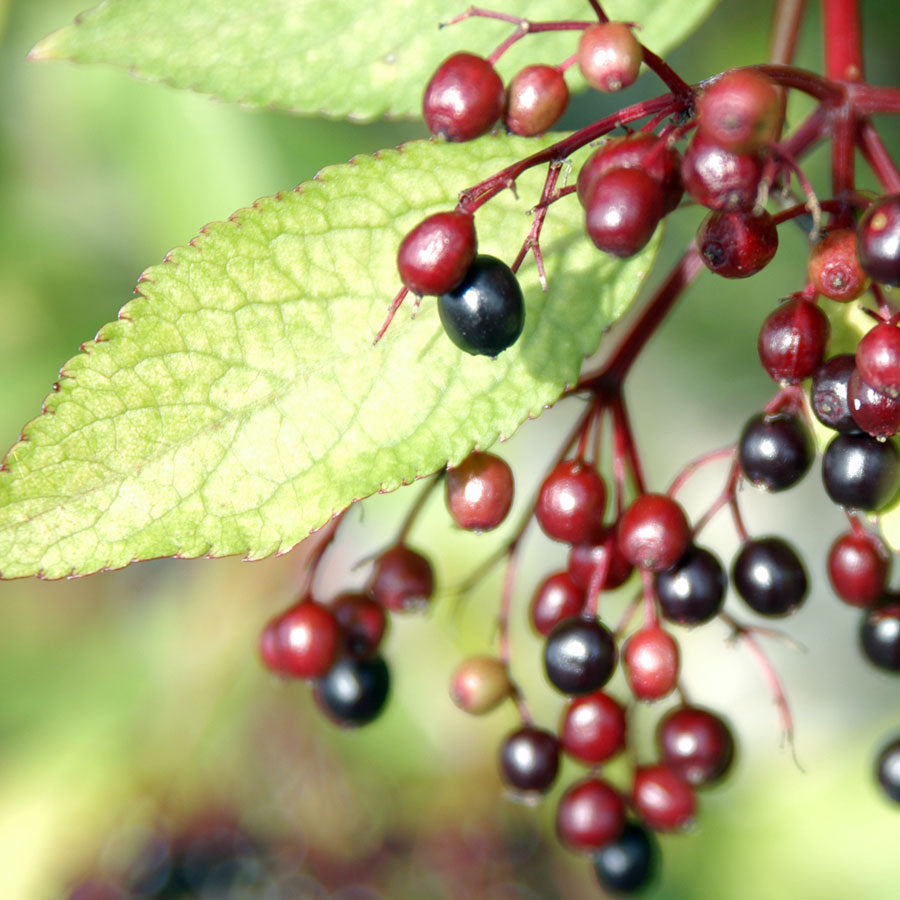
(879, 240)
(770, 577)
(878, 358)
(557, 598)
(402, 580)
(485, 313)
(622, 211)
(435, 256)
(629, 863)
(888, 770)
(363, 622)
(695, 744)
(479, 491)
(858, 568)
(875, 413)
(828, 393)
(355, 691)
(879, 635)
(834, 267)
(609, 56)
(535, 100)
(571, 503)
(737, 244)
(693, 590)
(775, 451)
(654, 532)
(464, 98)
(860, 471)
(580, 656)
(719, 179)
(529, 759)
(792, 340)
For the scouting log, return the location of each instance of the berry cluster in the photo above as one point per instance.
(718, 145)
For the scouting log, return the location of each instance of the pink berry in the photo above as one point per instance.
(623, 210)
(535, 100)
(737, 244)
(739, 111)
(650, 658)
(435, 256)
(479, 491)
(834, 267)
(464, 98)
(609, 56)
(654, 532)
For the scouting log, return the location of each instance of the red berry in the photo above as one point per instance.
(879, 240)
(402, 580)
(593, 728)
(739, 111)
(695, 744)
(641, 150)
(479, 491)
(480, 684)
(590, 814)
(834, 267)
(792, 340)
(435, 256)
(718, 179)
(654, 532)
(535, 100)
(609, 56)
(571, 503)
(878, 358)
(362, 621)
(662, 799)
(304, 641)
(858, 568)
(623, 210)
(464, 98)
(586, 559)
(557, 598)
(650, 658)
(737, 244)
(874, 412)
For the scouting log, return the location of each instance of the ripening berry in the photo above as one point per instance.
(879, 240)
(737, 244)
(480, 684)
(696, 744)
(662, 799)
(858, 568)
(874, 412)
(363, 622)
(739, 111)
(435, 256)
(571, 502)
(303, 641)
(593, 728)
(402, 580)
(590, 815)
(464, 98)
(792, 340)
(651, 661)
(834, 267)
(479, 491)
(718, 179)
(654, 532)
(558, 597)
(878, 358)
(535, 100)
(589, 560)
(609, 56)
(623, 210)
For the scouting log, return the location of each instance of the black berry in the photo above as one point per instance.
(355, 691)
(828, 393)
(580, 656)
(860, 471)
(770, 577)
(529, 759)
(693, 590)
(629, 863)
(888, 770)
(879, 635)
(775, 451)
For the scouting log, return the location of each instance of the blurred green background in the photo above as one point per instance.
(135, 698)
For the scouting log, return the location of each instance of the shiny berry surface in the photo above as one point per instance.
(770, 577)
(775, 451)
(609, 56)
(875, 413)
(571, 502)
(362, 620)
(464, 98)
(629, 863)
(878, 358)
(654, 532)
(879, 240)
(719, 179)
(593, 728)
(879, 635)
(828, 393)
(355, 691)
(479, 491)
(737, 244)
(536, 98)
(529, 759)
(303, 641)
(792, 340)
(558, 597)
(402, 580)
(590, 814)
(858, 568)
(580, 656)
(693, 590)
(739, 111)
(662, 800)
(622, 211)
(485, 313)
(860, 471)
(650, 658)
(435, 256)
(834, 267)
(587, 560)
(887, 770)
(696, 744)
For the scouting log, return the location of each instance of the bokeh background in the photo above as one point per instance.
(132, 703)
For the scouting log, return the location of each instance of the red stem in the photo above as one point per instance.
(843, 40)
(878, 158)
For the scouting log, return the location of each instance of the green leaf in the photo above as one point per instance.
(239, 402)
(339, 58)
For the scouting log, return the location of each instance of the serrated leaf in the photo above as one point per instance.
(239, 403)
(339, 58)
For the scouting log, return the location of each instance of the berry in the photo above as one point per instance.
(580, 656)
(860, 471)
(529, 759)
(888, 770)
(571, 503)
(737, 244)
(556, 599)
(650, 658)
(878, 358)
(693, 590)
(695, 744)
(629, 863)
(402, 580)
(654, 532)
(879, 635)
(535, 100)
(739, 111)
(435, 256)
(770, 577)
(858, 568)
(354, 691)
(641, 150)
(775, 451)
(479, 491)
(828, 393)
(464, 98)
(362, 621)
(834, 267)
(662, 799)
(302, 642)
(485, 313)
(792, 340)
(593, 728)
(879, 240)
(585, 559)
(609, 56)
(622, 211)
(590, 815)
(480, 684)
(718, 179)
(875, 413)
